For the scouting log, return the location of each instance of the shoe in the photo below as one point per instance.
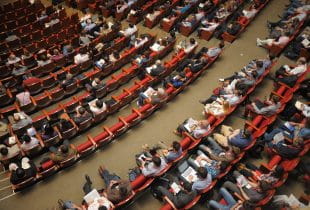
(88, 179)
(202, 102)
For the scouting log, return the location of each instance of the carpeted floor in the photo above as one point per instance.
(119, 155)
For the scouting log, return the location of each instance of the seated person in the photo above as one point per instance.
(250, 13)
(188, 47)
(201, 181)
(209, 25)
(23, 97)
(81, 115)
(88, 25)
(177, 80)
(29, 142)
(142, 60)
(237, 138)
(233, 28)
(172, 153)
(217, 108)
(154, 167)
(85, 38)
(281, 41)
(114, 57)
(56, 55)
(250, 191)
(20, 120)
(12, 59)
(266, 179)
(196, 128)
(116, 189)
(81, 57)
(67, 49)
(213, 167)
(95, 84)
(151, 96)
(180, 195)
(43, 60)
(156, 69)
(19, 69)
(131, 30)
(230, 201)
(97, 106)
(48, 131)
(101, 63)
(64, 152)
(64, 125)
(218, 152)
(267, 108)
(182, 9)
(68, 81)
(9, 152)
(20, 174)
(153, 14)
(157, 46)
(286, 70)
(215, 51)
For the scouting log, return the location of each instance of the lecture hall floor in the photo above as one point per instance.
(119, 155)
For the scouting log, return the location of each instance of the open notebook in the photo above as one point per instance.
(90, 197)
(190, 172)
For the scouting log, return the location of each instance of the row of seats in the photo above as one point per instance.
(189, 143)
(244, 22)
(70, 106)
(256, 126)
(163, 12)
(48, 168)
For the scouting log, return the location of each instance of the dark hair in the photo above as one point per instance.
(202, 172)
(259, 64)
(153, 151)
(81, 110)
(156, 161)
(172, 34)
(20, 172)
(48, 129)
(224, 165)
(131, 25)
(64, 148)
(246, 133)
(192, 40)
(102, 208)
(123, 190)
(26, 138)
(176, 145)
(187, 186)
(278, 172)
(264, 185)
(99, 103)
(4, 151)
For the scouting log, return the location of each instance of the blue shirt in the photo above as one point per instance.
(202, 184)
(240, 141)
(172, 155)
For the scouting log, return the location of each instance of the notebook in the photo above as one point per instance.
(90, 197)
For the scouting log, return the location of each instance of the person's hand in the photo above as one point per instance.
(190, 178)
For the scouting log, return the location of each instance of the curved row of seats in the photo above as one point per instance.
(58, 93)
(258, 126)
(86, 148)
(188, 142)
(70, 106)
(244, 22)
(167, 26)
(276, 50)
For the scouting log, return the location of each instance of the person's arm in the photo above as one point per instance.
(244, 195)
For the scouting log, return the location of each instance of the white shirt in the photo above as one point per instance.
(34, 142)
(130, 31)
(249, 13)
(156, 47)
(96, 110)
(282, 40)
(297, 70)
(190, 47)
(81, 58)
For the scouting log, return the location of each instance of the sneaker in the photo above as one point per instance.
(88, 179)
